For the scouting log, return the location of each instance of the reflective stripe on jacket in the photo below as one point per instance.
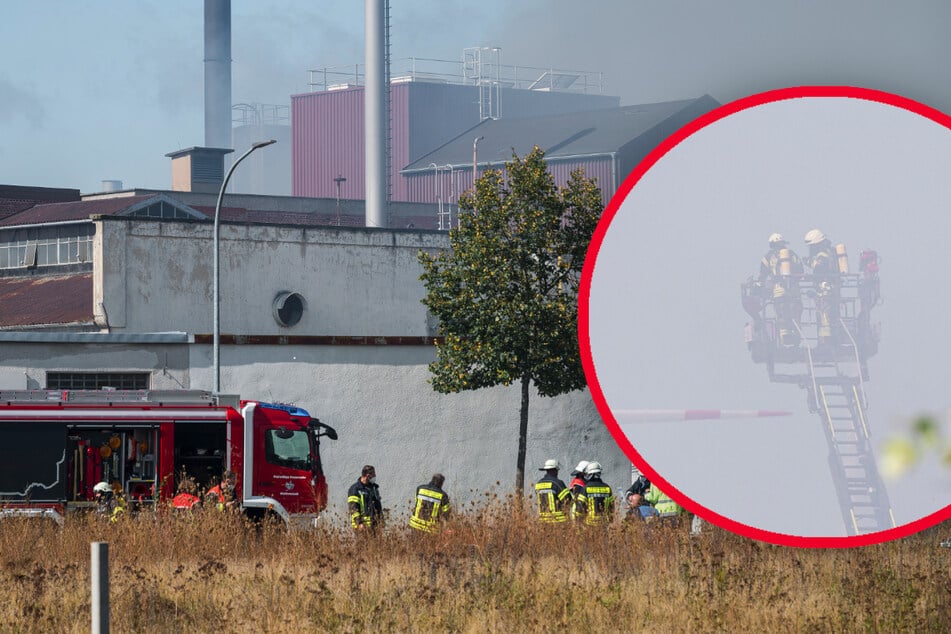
(432, 504)
(596, 502)
(664, 506)
(363, 502)
(553, 499)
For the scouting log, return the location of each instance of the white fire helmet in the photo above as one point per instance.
(551, 463)
(581, 466)
(102, 487)
(593, 468)
(776, 238)
(814, 237)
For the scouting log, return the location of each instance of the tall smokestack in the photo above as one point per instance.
(375, 115)
(218, 73)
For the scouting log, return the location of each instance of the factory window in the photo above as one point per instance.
(161, 209)
(97, 380)
(46, 246)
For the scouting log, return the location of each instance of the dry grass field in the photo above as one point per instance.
(495, 571)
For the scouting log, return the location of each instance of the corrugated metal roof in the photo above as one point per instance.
(10, 207)
(62, 299)
(74, 210)
(577, 134)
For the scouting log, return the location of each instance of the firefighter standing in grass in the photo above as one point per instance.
(432, 505)
(221, 496)
(363, 502)
(186, 499)
(595, 503)
(667, 510)
(576, 486)
(781, 268)
(107, 504)
(637, 506)
(554, 498)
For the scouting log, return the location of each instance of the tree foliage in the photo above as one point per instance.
(506, 292)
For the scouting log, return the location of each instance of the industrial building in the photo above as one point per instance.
(426, 111)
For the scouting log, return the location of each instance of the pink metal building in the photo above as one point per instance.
(328, 144)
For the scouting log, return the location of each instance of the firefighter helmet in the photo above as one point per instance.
(550, 464)
(776, 239)
(102, 487)
(581, 466)
(593, 468)
(815, 237)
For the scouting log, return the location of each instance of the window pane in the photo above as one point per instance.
(292, 451)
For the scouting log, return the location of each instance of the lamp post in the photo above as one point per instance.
(475, 146)
(216, 345)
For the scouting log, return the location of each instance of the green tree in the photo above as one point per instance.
(506, 292)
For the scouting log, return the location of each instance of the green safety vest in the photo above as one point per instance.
(664, 506)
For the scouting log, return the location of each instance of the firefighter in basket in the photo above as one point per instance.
(779, 273)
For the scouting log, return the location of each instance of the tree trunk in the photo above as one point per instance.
(522, 440)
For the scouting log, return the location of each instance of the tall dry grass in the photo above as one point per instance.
(497, 570)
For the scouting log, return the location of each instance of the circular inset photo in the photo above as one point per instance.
(763, 316)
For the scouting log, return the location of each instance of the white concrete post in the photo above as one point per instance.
(99, 575)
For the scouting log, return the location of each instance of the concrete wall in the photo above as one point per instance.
(378, 399)
(157, 276)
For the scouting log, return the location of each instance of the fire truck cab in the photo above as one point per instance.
(56, 445)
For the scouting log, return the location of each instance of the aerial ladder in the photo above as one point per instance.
(831, 365)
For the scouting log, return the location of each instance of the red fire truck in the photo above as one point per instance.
(55, 446)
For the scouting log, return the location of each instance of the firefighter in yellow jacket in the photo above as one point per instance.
(827, 281)
(595, 503)
(554, 498)
(363, 502)
(432, 505)
(779, 271)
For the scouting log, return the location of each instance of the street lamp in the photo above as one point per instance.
(216, 292)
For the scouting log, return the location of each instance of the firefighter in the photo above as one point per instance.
(186, 499)
(576, 486)
(595, 503)
(637, 506)
(432, 505)
(779, 272)
(222, 495)
(363, 502)
(554, 498)
(825, 272)
(107, 504)
(667, 510)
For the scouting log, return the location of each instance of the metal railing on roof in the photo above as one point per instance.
(426, 69)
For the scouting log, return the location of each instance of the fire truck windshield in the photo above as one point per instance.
(287, 448)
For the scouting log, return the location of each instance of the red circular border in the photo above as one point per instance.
(797, 92)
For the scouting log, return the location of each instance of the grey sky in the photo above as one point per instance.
(695, 227)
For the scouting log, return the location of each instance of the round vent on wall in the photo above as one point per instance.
(288, 308)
